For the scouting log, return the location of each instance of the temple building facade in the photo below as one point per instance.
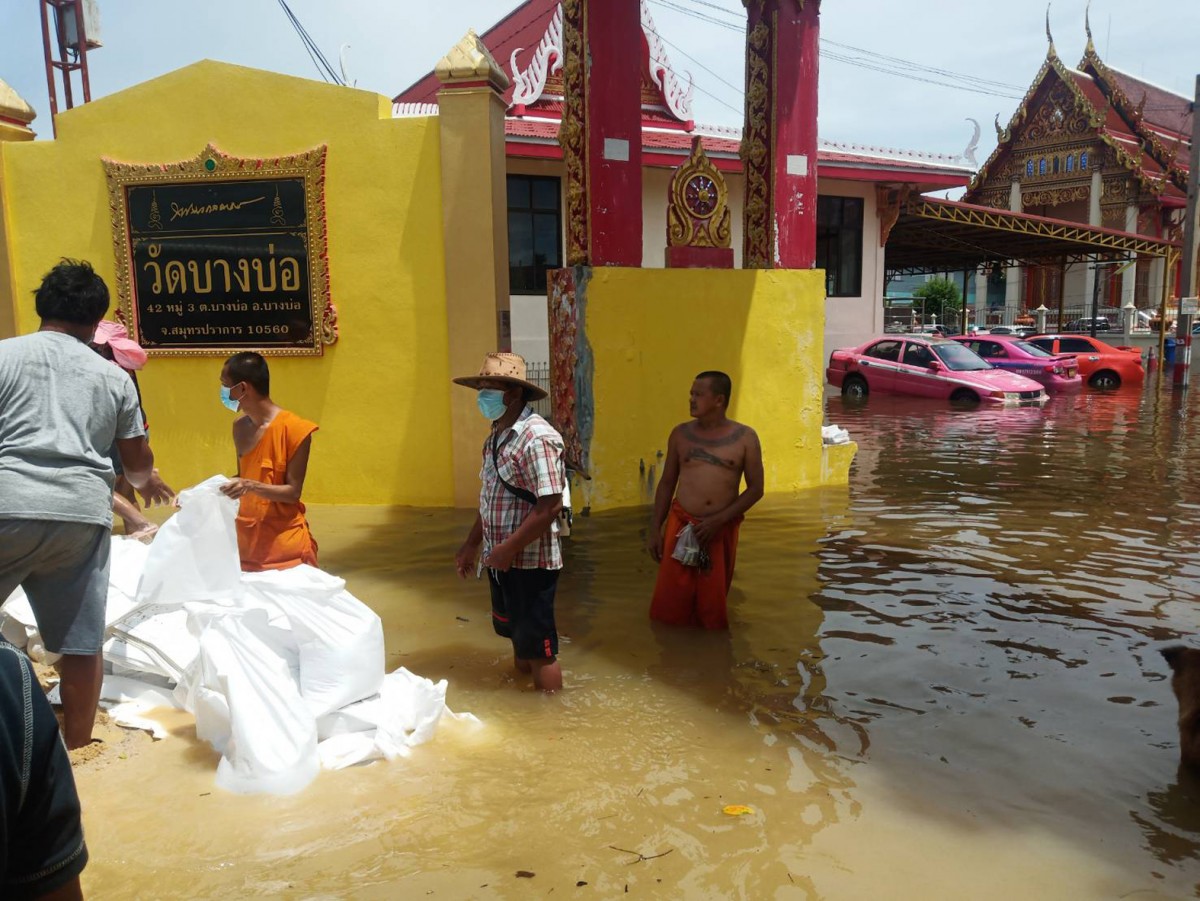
(1096, 146)
(856, 184)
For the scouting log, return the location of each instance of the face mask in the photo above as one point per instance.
(227, 400)
(491, 403)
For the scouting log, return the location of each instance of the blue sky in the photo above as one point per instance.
(393, 43)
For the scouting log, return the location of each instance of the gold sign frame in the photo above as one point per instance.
(213, 165)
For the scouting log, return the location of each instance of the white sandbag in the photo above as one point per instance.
(340, 638)
(194, 556)
(153, 638)
(271, 742)
(126, 560)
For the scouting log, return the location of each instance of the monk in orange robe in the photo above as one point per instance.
(701, 481)
(273, 448)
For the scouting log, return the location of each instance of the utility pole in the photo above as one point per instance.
(1187, 281)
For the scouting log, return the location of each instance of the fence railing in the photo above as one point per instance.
(539, 374)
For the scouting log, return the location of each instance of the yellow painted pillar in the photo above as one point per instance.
(475, 227)
(15, 116)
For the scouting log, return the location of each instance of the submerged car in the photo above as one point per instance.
(1100, 365)
(1058, 374)
(926, 367)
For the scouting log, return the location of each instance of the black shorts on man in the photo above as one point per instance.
(523, 610)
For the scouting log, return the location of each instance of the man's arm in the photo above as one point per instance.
(752, 470)
(287, 493)
(138, 462)
(465, 557)
(663, 496)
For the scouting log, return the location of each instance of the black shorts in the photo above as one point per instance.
(523, 610)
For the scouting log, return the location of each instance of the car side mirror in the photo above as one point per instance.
(936, 366)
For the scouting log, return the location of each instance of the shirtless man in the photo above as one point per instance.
(701, 482)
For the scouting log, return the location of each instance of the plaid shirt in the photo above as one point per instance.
(529, 456)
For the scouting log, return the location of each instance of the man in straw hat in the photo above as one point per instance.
(61, 409)
(523, 480)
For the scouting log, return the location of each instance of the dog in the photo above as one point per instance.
(1185, 682)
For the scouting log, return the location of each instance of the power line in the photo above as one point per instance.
(877, 62)
(314, 52)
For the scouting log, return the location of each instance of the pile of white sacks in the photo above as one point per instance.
(283, 670)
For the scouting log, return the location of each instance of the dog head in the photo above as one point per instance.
(1185, 682)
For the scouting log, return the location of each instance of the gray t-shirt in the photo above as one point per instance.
(61, 407)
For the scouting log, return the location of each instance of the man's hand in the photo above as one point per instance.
(156, 492)
(235, 488)
(501, 557)
(465, 558)
(654, 543)
(706, 529)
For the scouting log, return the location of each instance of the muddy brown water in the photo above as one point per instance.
(941, 683)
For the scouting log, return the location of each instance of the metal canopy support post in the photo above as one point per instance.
(58, 10)
(1187, 281)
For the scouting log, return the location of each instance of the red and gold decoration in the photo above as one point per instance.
(221, 253)
(698, 215)
(779, 140)
(572, 136)
(571, 363)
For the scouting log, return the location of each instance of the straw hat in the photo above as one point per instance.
(127, 353)
(506, 368)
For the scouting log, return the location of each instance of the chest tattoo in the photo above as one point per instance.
(732, 438)
(700, 455)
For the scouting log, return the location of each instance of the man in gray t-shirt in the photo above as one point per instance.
(61, 408)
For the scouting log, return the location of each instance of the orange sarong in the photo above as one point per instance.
(689, 595)
(272, 535)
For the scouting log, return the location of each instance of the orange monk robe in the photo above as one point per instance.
(689, 595)
(273, 535)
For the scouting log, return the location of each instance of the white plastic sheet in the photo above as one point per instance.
(194, 555)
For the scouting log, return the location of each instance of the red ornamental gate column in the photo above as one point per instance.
(779, 144)
(601, 132)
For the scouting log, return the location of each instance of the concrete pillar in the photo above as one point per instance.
(601, 134)
(981, 290)
(1129, 276)
(475, 231)
(1012, 278)
(15, 116)
(779, 142)
(1095, 219)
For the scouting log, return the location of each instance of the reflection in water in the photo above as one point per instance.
(943, 683)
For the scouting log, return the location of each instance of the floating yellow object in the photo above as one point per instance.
(736, 810)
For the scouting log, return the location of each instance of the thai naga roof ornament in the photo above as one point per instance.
(530, 82)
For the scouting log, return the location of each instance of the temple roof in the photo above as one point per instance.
(528, 43)
(1147, 127)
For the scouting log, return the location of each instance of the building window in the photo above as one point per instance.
(534, 232)
(1056, 165)
(1070, 162)
(1029, 168)
(1041, 167)
(1083, 161)
(839, 244)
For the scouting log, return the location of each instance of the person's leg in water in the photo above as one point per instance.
(82, 675)
(547, 674)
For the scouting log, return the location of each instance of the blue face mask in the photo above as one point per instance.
(227, 400)
(491, 403)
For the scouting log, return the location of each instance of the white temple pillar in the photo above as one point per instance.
(981, 287)
(1012, 279)
(1095, 218)
(1129, 276)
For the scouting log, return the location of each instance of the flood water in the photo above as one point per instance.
(941, 683)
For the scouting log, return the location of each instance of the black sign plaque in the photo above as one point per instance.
(221, 254)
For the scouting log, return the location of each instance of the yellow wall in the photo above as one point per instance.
(381, 394)
(651, 331)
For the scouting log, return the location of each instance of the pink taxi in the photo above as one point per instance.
(927, 367)
(1059, 373)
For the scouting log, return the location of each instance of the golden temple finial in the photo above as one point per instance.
(470, 60)
(1087, 27)
(13, 106)
(1049, 36)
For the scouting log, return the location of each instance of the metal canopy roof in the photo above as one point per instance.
(948, 236)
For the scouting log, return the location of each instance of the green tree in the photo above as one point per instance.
(939, 297)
